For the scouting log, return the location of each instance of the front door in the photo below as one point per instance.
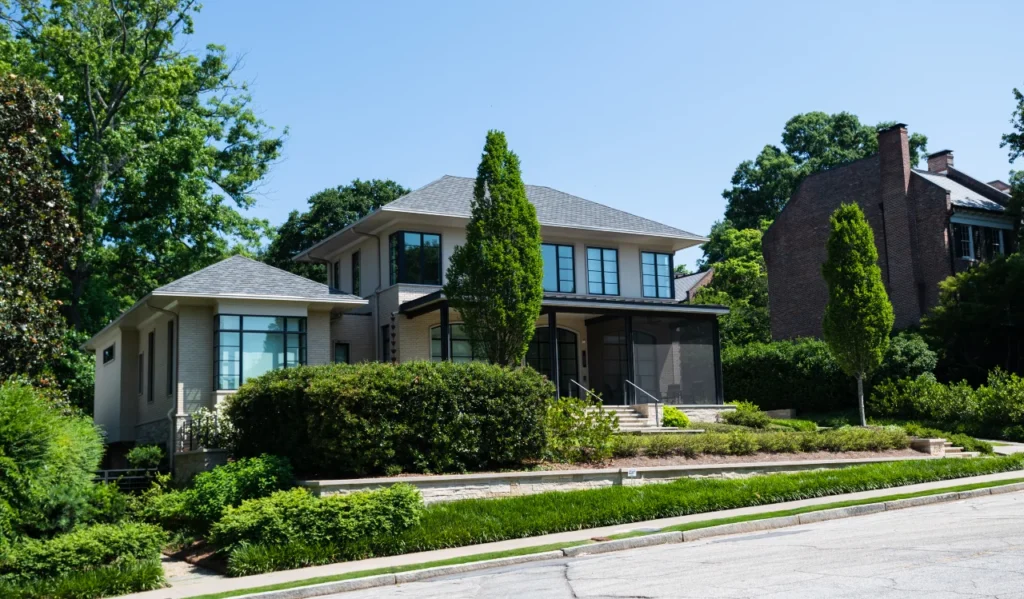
(538, 357)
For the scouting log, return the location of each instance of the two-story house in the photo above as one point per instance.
(928, 225)
(610, 321)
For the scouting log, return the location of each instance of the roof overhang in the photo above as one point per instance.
(583, 304)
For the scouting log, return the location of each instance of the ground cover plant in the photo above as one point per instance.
(378, 418)
(475, 521)
(748, 442)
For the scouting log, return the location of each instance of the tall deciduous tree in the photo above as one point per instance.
(37, 232)
(163, 150)
(811, 142)
(495, 280)
(330, 210)
(1015, 142)
(858, 316)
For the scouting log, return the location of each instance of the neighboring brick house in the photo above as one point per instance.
(687, 286)
(928, 225)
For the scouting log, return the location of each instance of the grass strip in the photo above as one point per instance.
(454, 561)
(553, 546)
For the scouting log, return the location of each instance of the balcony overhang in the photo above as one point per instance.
(581, 304)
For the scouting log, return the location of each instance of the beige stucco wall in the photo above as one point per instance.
(154, 408)
(107, 388)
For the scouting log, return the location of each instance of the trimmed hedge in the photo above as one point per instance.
(749, 442)
(802, 375)
(475, 521)
(350, 520)
(375, 418)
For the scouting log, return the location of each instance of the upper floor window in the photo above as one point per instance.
(355, 274)
(248, 346)
(975, 242)
(602, 271)
(460, 348)
(337, 275)
(559, 274)
(108, 354)
(415, 258)
(656, 274)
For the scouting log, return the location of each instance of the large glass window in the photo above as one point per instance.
(341, 355)
(538, 357)
(558, 268)
(974, 242)
(656, 270)
(248, 346)
(461, 349)
(415, 258)
(602, 271)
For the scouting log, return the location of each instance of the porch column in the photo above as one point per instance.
(446, 333)
(630, 375)
(553, 339)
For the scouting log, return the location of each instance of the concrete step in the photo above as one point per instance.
(950, 449)
(963, 454)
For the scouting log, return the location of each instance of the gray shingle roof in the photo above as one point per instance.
(240, 276)
(686, 283)
(960, 195)
(451, 196)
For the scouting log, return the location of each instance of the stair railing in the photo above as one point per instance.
(657, 402)
(588, 392)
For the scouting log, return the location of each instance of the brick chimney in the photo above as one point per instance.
(1000, 185)
(940, 162)
(894, 174)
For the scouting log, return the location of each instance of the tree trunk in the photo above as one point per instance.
(860, 399)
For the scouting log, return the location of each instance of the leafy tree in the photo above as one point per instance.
(978, 324)
(495, 278)
(37, 232)
(811, 142)
(330, 210)
(682, 269)
(858, 316)
(1015, 141)
(740, 282)
(163, 150)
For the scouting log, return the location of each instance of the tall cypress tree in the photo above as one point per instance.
(495, 279)
(858, 317)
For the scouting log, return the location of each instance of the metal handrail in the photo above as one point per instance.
(656, 400)
(585, 390)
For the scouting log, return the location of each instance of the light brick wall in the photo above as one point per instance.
(358, 332)
(318, 338)
(195, 371)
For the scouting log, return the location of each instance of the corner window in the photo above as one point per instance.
(656, 275)
(108, 354)
(248, 346)
(602, 271)
(337, 275)
(460, 350)
(559, 275)
(415, 258)
(975, 242)
(355, 274)
(341, 354)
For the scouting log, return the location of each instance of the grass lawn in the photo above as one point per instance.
(553, 546)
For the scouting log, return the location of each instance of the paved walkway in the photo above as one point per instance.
(1007, 447)
(967, 548)
(201, 586)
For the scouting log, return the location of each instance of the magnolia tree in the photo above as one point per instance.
(495, 279)
(858, 317)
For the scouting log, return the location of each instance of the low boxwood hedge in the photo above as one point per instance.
(741, 442)
(376, 418)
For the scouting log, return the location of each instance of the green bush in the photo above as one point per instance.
(576, 433)
(740, 442)
(107, 504)
(47, 461)
(297, 516)
(802, 375)
(746, 414)
(992, 410)
(145, 456)
(212, 492)
(80, 550)
(374, 418)
(128, 576)
(673, 416)
(806, 426)
(474, 521)
(958, 439)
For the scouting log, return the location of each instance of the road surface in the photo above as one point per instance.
(970, 548)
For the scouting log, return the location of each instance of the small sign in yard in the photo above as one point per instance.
(631, 473)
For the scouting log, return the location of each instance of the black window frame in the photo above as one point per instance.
(604, 283)
(302, 334)
(671, 269)
(356, 275)
(170, 357)
(398, 264)
(150, 350)
(348, 352)
(559, 269)
(472, 357)
(109, 353)
(336, 274)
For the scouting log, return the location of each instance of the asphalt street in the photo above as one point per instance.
(969, 548)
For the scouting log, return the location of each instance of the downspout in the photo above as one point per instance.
(172, 442)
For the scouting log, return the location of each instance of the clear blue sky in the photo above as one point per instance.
(644, 106)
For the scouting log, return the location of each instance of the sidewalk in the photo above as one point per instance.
(218, 585)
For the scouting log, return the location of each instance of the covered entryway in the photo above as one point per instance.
(538, 356)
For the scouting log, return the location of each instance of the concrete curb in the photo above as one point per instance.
(666, 538)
